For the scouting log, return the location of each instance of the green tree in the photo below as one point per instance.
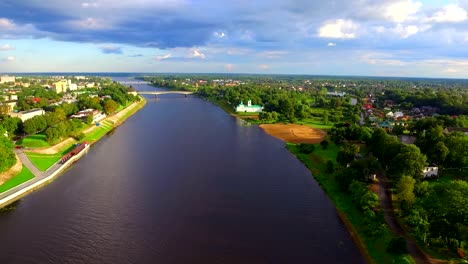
(110, 106)
(405, 191)
(346, 154)
(324, 144)
(410, 161)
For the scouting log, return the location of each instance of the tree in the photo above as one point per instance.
(110, 106)
(330, 167)
(346, 154)
(439, 152)
(457, 143)
(6, 152)
(409, 162)
(13, 125)
(306, 148)
(405, 194)
(397, 245)
(369, 201)
(324, 144)
(325, 117)
(377, 141)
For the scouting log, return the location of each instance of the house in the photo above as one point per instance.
(96, 114)
(7, 79)
(335, 93)
(25, 115)
(389, 114)
(449, 130)
(431, 171)
(249, 107)
(398, 115)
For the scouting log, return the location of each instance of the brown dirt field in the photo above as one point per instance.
(55, 148)
(11, 172)
(295, 133)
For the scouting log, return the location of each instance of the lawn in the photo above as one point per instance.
(23, 176)
(315, 122)
(43, 161)
(34, 141)
(316, 162)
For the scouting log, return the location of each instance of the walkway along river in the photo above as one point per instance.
(181, 181)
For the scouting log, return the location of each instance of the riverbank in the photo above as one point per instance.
(374, 248)
(41, 178)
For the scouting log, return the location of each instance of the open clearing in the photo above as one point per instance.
(295, 133)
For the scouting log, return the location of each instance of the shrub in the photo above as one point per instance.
(397, 246)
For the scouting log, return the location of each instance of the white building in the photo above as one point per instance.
(429, 172)
(25, 115)
(6, 78)
(249, 107)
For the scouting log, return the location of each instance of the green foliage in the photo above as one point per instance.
(22, 177)
(8, 158)
(35, 124)
(369, 201)
(330, 166)
(324, 144)
(405, 194)
(397, 246)
(110, 106)
(347, 154)
(409, 161)
(306, 148)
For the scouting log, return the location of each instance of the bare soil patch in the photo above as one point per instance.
(295, 133)
(55, 148)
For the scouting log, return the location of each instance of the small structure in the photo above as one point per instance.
(96, 114)
(25, 115)
(250, 108)
(430, 171)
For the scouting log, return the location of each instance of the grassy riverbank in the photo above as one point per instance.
(24, 176)
(374, 247)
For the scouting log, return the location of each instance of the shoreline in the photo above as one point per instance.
(352, 230)
(30, 187)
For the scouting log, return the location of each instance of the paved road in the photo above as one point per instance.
(38, 175)
(386, 202)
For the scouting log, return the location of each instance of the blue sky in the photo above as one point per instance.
(427, 38)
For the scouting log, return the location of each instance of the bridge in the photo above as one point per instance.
(133, 82)
(165, 92)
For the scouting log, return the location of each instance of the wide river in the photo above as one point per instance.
(181, 181)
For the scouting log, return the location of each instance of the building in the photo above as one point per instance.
(96, 114)
(250, 108)
(6, 107)
(431, 171)
(6, 79)
(25, 115)
(60, 86)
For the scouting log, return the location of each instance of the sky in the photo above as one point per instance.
(427, 38)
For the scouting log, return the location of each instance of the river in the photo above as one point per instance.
(181, 181)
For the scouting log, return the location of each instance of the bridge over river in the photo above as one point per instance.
(165, 92)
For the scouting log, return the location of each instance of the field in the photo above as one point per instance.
(295, 133)
(34, 141)
(23, 176)
(100, 131)
(43, 161)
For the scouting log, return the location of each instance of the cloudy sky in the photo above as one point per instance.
(427, 38)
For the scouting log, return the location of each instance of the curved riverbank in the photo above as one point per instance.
(42, 178)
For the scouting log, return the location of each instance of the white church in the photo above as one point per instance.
(249, 107)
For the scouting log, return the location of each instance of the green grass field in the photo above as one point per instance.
(34, 141)
(316, 162)
(43, 161)
(315, 122)
(23, 176)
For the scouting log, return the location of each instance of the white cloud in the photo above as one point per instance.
(219, 35)
(273, 54)
(450, 13)
(401, 11)
(91, 23)
(163, 57)
(380, 29)
(450, 70)
(6, 24)
(10, 58)
(86, 5)
(407, 31)
(6, 47)
(331, 44)
(263, 66)
(195, 53)
(381, 59)
(228, 67)
(341, 28)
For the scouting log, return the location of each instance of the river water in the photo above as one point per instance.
(181, 181)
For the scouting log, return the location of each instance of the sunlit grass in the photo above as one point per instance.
(24, 176)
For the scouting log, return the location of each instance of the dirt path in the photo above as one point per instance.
(385, 198)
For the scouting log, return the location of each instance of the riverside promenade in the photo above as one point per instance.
(40, 177)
